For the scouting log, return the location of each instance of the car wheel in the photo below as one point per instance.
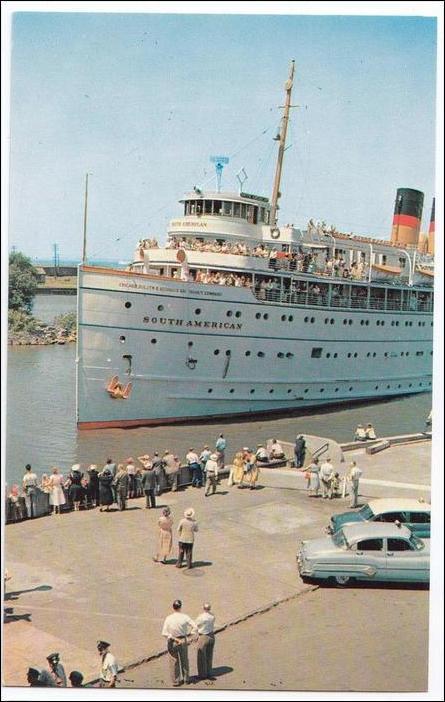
(342, 580)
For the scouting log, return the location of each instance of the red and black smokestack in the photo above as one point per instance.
(431, 230)
(407, 216)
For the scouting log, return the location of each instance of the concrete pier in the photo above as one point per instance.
(85, 576)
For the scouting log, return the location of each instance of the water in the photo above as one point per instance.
(41, 427)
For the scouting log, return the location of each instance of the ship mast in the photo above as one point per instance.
(281, 149)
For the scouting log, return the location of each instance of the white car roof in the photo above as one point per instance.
(389, 504)
(375, 530)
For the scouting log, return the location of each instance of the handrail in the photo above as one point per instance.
(321, 449)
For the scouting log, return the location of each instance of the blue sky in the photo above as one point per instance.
(142, 101)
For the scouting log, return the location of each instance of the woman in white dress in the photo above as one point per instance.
(57, 496)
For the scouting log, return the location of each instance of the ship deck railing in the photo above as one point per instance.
(321, 300)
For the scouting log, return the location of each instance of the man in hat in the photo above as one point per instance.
(39, 678)
(354, 476)
(177, 629)
(56, 670)
(149, 483)
(211, 474)
(300, 451)
(261, 454)
(108, 668)
(360, 433)
(187, 528)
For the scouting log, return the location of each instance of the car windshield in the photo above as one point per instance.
(416, 542)
(366, 512)
(339, 539)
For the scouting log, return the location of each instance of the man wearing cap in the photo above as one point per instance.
(149, 483)
(178, 626)
(56, 670)
(108, 668)
(186, 530)
(211, 474)
(206, 642)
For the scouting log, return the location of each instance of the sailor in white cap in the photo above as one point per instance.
(211, 474)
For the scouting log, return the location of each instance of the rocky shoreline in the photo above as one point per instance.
(42, 335)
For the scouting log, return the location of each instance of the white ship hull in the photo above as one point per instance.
(193, 350)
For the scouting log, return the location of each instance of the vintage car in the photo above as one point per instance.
(366, 551)
(415, 514)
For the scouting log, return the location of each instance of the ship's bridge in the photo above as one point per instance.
(223, 216)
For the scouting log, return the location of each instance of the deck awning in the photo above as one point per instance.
(387, 269)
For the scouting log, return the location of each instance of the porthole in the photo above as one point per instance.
(350, 389)
(328, 355)
(376, 387)
(355, 355)
(407, 353)
(332, 321)
(229, 313)
(378, 322)
(392, 323)
(399, 386)
(410, 385)
(349, 355)
(306, 391)
(280, 354)
(154, 341)
(216, 352)
(232, 390)
(420, 385)
(122, 339)
(382, 323)
(289, 355)
(248, 353)
(228, 352)
(260, 354)
(265, 316)
(350, 322)
(326, 320)
(190, 344)
(290, 318)
(336, 390)
(367, 322)
(335, 355)
(238, 314)
(386, 354)
(198, 310)
(258, 315)
(374, 354)
(210, 390)
(321, 389)
(271, 391)
(362, 321)
(290, 390)
(402, 353)
(368, 354)
(388, 387)
(306, 319)
(160, 308)
(128, 305)
(431, 353)
(312, 320)
(345, 321)
(252, 391)
(283, 317)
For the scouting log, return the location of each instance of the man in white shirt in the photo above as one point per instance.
(30, 483)
(354, 477)
(261, 454)
(193, 463)
(206, 642)
(177, 628)
(326, 475)
(276, 450)
(108, 668)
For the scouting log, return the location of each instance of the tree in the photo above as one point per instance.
(22, 282)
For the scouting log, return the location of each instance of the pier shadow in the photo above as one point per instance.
(15, 594)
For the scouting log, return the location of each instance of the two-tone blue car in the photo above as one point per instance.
(414, 514)
(370, 551)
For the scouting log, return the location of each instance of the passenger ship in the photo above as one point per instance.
(236, 315)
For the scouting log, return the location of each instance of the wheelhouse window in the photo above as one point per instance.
(237, 209)
(217, 207)
(208, 206)
(227, 209)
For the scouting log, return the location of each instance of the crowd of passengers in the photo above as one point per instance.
(299, 261)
